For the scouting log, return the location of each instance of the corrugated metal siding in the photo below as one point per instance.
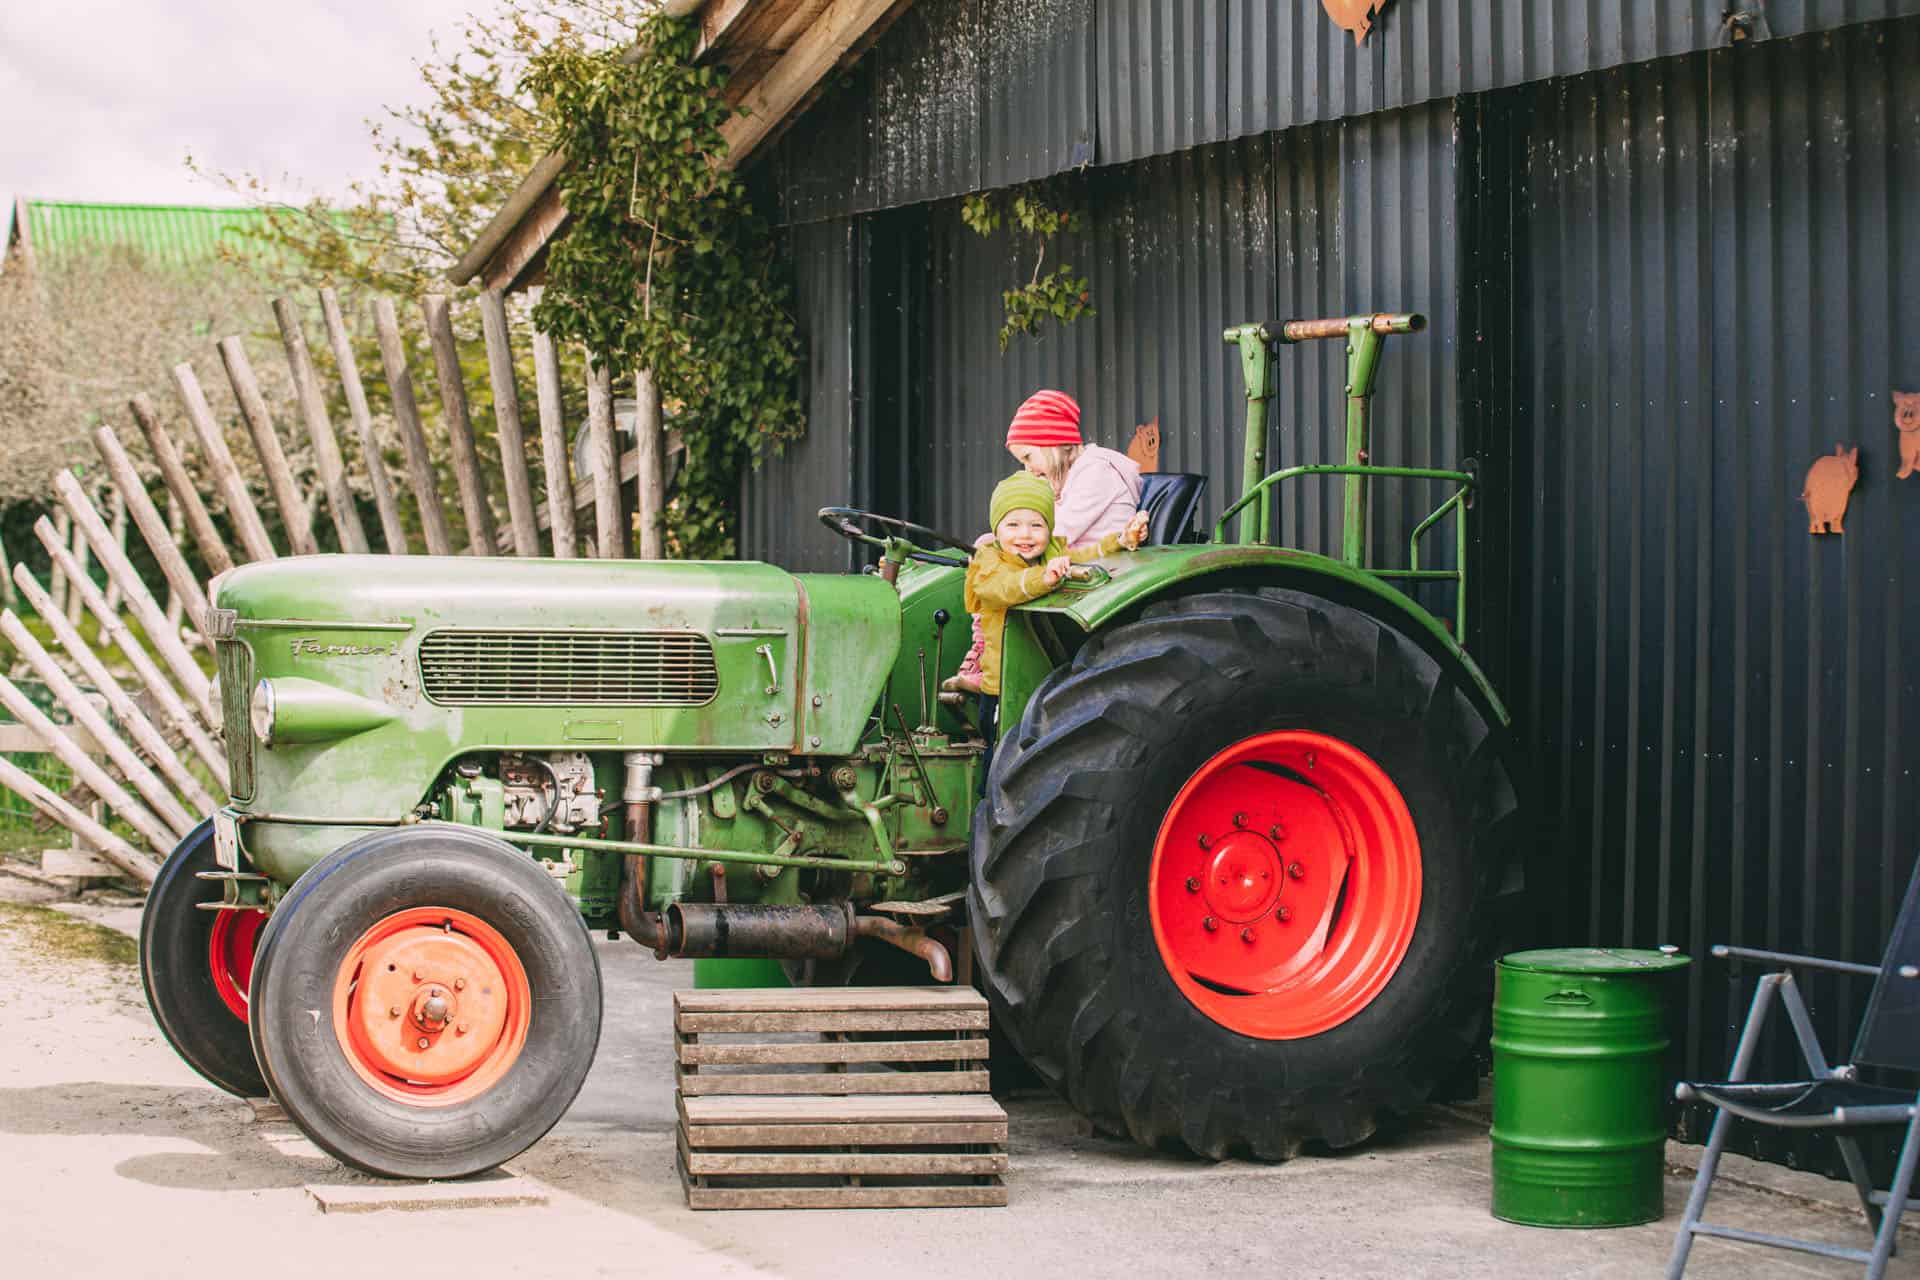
(973, 94)
(1178, 248)
(1721, 290)
(779, 498)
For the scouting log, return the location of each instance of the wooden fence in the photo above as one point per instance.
(144, 748)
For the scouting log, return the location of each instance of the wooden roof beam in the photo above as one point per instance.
(841, 29)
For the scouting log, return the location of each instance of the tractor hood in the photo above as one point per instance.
(382, 669)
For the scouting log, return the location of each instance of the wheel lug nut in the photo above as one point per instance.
(393, 1011)
(423, 1042)
(1284, 914)
(1239, 819)
(1266, 875)
(1276, 832)
(1193, 884)
(1210, 924)
(460, 1030)
(1295, 870)
(459, 984)
(1310, 760)
(1206, 841)
(419, 976)
(1246, 934)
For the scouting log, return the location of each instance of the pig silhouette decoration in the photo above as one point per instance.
(1830, 482)
(1906, 420)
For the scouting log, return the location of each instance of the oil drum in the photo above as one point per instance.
(1580, 1086)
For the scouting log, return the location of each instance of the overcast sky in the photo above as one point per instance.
(104, 101)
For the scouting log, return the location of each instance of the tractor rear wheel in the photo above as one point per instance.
(196, 966)
(426, 1004)
(1235, 873)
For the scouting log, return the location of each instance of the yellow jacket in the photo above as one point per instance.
(997, 580)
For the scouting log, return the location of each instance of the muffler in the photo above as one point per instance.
(707, 929)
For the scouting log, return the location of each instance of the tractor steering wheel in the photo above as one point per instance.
(846, 522)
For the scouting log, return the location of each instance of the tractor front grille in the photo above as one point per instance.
(236, 690)
(627, 668)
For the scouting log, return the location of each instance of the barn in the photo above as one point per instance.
(1668, 254)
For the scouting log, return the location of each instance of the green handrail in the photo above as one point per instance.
(1456, 502)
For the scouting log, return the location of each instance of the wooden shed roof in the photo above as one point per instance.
(778, 54)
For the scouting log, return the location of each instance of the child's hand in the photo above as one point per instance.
(1057, 569)
(1136, 531)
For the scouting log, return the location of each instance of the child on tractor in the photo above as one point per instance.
(1023, 562)
(1096, 490)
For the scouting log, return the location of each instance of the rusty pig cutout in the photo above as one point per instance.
(1144, 448)
(1830, 482)
(1906, 420)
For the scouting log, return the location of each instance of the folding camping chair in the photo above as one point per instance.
(1833, 1098)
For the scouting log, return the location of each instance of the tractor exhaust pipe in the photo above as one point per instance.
(915, 941)
(643, 926)
(705, 929)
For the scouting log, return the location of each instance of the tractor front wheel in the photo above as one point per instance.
(197, 965)
(1234, 876)
(426, 1004)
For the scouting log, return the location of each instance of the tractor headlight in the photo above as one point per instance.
(260, 712)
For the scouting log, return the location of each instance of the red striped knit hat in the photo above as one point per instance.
(1047, 418)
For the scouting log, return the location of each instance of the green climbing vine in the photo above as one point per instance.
(1038, 212)
(667, 264)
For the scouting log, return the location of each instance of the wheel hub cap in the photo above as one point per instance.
(1243, 877)
(431, 1006)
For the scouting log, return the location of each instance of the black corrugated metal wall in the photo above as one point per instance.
(1721, 284)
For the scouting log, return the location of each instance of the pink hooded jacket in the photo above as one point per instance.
(1101, 494)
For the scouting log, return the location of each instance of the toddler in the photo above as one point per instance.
(1096, 491)
(1023, 562)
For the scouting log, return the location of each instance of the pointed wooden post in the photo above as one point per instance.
(453, 406)
(173, 473)
(609, 533)
(155, 681)
(650, 484)
(145, 734)
(117, 522)
(226, 473)
(140, 602)
(327, 458)
(294, 514)
(341, 344)
(80, 557)
(131, 495)
(506, 419)
(553, 445)
(104, 842)
(406, 415)
(63, 526)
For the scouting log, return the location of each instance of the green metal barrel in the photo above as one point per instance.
(713, 973)
(1579, 1086)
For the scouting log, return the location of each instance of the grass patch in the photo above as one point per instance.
(55, 935)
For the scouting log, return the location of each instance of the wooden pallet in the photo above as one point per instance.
(847, 1097)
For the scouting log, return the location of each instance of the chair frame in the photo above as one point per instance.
(1782, 985)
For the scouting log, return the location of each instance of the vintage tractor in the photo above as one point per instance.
(1232, 886)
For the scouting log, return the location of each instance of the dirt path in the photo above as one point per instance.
(117, 1161)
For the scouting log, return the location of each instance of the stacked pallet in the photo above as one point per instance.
(827, 1098)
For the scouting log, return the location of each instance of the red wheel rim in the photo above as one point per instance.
(431, 1006)
(230, 956)
(1285, 885)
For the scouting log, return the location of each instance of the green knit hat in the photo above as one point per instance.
(1021, 490)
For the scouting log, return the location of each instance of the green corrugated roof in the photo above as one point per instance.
(174, 235)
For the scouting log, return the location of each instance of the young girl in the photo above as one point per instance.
(1096, 490)
(1023, 561)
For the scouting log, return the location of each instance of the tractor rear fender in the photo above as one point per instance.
(1131, 582)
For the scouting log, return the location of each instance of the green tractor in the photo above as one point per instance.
(1232, 886)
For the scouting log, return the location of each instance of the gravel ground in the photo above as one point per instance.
(116, 1160)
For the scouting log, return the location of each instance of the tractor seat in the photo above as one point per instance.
(1171, 499)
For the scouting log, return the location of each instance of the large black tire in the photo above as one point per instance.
(1065, 838)
(311, 936)
(175, 938)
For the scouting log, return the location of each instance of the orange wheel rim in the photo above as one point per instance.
(230, 948)
(431, 1006)
(1285, 885)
